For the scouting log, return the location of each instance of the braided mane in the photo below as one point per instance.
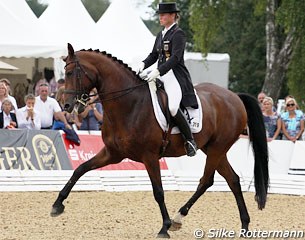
(113, 58)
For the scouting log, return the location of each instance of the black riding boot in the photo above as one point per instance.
(189, 145)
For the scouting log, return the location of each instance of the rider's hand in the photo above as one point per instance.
(140, 68)
(153, 75)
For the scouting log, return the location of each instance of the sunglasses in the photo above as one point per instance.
(290, 105)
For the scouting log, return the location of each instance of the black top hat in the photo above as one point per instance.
(168, 7)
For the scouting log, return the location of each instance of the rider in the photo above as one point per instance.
(168, 50)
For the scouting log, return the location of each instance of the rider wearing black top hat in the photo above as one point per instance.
(168, 50)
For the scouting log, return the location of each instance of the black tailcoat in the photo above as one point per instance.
(169, 52)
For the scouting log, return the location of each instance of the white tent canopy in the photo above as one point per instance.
(20, 9)
(68, 21)
(20, 36)
(124, 33)
(120, 31)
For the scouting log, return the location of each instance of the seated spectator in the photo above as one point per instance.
(48, 108)
(7, 118)
(27, 116)
(11, 98)
(92, 116)
(271, 119)
(292, 121)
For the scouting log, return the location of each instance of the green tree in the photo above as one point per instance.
(291, 16)
(232, 27)
(283, 22)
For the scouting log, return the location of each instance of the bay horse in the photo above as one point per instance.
(130, 130)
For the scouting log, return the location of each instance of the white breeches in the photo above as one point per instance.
(173, 90)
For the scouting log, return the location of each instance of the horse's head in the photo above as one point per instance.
(80, 78)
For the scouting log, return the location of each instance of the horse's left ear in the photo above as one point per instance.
(70, 50)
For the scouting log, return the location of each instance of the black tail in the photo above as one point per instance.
(257, 135)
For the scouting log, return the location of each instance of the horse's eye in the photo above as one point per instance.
(69, 73)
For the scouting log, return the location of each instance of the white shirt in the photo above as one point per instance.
(46, 110)
(166, 29)
(6, 120)
(23, 122)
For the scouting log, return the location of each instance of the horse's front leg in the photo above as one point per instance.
(153, 169)
(102, 159)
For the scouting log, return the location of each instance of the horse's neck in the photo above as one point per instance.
(131, 106)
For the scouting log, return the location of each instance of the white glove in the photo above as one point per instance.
(153, 75)
(140, 68)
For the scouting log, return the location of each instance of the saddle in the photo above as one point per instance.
(163, 102)
(160, 105)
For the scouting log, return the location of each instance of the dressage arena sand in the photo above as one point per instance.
(135, 215)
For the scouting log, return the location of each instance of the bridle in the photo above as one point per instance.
(82, 98)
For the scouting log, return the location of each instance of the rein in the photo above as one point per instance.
(123, 92)
(82, 97)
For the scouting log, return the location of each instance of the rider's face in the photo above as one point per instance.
(166, 19)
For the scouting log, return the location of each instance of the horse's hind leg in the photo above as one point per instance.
(206, 181)
(100, 160)
(232, 179)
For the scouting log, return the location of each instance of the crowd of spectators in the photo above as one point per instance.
(44, 109)
(287, 124)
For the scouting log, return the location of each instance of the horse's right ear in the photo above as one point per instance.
(70, 50)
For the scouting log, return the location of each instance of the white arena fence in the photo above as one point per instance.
(286, 167)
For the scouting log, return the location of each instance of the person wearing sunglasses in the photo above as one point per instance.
(292, 121)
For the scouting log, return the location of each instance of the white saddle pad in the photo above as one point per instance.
(194, 115)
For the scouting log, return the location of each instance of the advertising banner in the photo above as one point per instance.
(91, 145)
(32, 150)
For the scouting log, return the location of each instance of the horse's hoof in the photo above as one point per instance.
(175, 226)
(163, 235)
(57, 210)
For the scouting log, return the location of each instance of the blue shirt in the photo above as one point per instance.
(90, 122)
(293, 125)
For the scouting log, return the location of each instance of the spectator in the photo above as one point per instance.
(50, 80)
(59, 125)
(92, 116)
(271, 119)
(7, 118)
(3, 93)
(48, 108)
(27, 116)
(292, 121)
(260, 98)
(11, 98)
